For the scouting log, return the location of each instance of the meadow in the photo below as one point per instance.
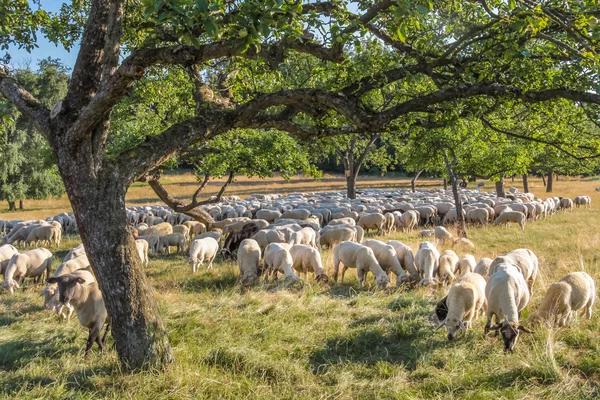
(318, 340)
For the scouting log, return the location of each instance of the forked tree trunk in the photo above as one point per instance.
(500, 187)
(549, 184)
(461, 225)
(525, 184)
(98, 201)
(413, 181)
(12, 206)
(544, 180)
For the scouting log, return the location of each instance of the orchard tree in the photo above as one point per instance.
(516, 52)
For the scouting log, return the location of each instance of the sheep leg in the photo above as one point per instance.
(91, 339)
(361, 276)
(343, 272)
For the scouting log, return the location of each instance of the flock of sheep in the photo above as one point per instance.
(271, 234)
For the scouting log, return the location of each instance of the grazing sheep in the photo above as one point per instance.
(296, 214)
(427, 262)
(75, 252)
(278, 259)
(507, 294)
(373, 221)
(574, 292)
(427, 233)
(409, 220)
(30, 264)
(331, 237)
(566, 203)
(80, 290)
(184, 230)
(447, 266)
(160, 229)
(388, 259)
(6, 252)
(464, 301)
(173, 239)
(511, 216)
(354, 255)
(198, 228)
(308, 259)
(466, 264)
(483, 266)
(463, 243)
(152, 241)
(360, 234)
(585, 201)
(406, 257)
(478, 215)
(306, 236)
(248, 258)
(203, 249)
(268, 215)
(442, 234)
(142, 248)
(42, 234)
(524, 259)
(218, 236)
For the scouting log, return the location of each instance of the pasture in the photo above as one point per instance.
(318, 340)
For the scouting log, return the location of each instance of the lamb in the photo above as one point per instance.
(406, 257)
(442, 234)
(331, 237)
(80, 290)
(304, 236)
(524, 259)
(173, 239)
(447, 266)
(308, 259)
(483, 266)
(278, 259)
(204, 249)
(464, 301)
(388, 259)
(574, 292)
(507, 294)
(6, 252)
(248, 258)
(427, 262)
(31, 264)
(152, 241)
(354, 255)
(511, 216)
(466, 264)
(142, 248)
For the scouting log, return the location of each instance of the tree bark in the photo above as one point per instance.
(351, 186)
(445, 184)
(500, 187)
(461, 225)
(413, 181)
(525, 184)
(20, 204)
(12, 206)
(544, 180)
(549, 184)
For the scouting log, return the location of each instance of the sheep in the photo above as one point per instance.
(198, 228)
(463, 243)
(360, 234)
(480, 215)
(342, 221)
(574, 292)
(218, 236)
(447, 266)
(308, 259)
(511, 216)
(6, 252)
(296, 214)
(428, 214)
(184, 230)
(80, 290)
(566, 203)
(585, 201)
(427, 262)
(464, 301)
(173, 239)
(406, 257)
(409, 220)
(248, 258)
(389, 222)
(161, 229)
(304, 236)
(142, 248)
(372, 221)
(507, 294)
(203, 249)
(426, 233)
(388, 259)
(524, 259)
(268, 215)
(75, 252)
(31, 264)
(152, 241)
(466, 264)
(223, 223)
(354, 255)
(331, 237)
(442, 234)
(278, 259)
(483, 266)
(50, 292)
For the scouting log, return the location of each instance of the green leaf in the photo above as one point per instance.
(512, 4)
(202, 5)
(211, 27)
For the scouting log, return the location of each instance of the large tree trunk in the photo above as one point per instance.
(525, 184)
(351, 174)
(12, 206)
(413, 181)
(351, 186)
(500, 187)
(20, 204)
(549, 184)
(98, 201)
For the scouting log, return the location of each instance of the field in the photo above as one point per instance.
(318, 340)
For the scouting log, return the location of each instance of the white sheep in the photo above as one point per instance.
(574, 292)
(372, 221)
(465, 299)
(466, 264)
(442, 234)
(172, 239)
(50, 292)
(511, 216)
(463, 243)
(427, 262)
(80, 290)
(355, 255)
(6, 252)
(248, 258)
(388, 259)
(342, 221)
(406, 257)
(278, 259)
(30, 264)
(308, 259)
(409, 220)
(426, 233)
(331, 237)
(306, 236)
(204, 249)
(75, 252)
(152, 241)
(566, 203)
(447, 266)
(483, 266)
(41, 234)
(142, 247)
(524, 259)
(507, 294)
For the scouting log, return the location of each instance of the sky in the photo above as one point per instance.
(21, 57)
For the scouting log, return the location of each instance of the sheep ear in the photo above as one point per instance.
(523, 329)
(81, 281)
(443, 323)
(16, 284)
(52, 280)
(463, 325)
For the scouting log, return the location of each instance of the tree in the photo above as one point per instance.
(27, 167)
(515, 52)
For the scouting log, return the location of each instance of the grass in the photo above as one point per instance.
(318, 340)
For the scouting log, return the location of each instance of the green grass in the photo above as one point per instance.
(317, 340)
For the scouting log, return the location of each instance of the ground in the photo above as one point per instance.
(319, 340)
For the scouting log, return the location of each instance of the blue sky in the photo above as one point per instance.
(20, 57)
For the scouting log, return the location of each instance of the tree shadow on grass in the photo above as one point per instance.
(204, 281)
(18, 353)
(83, 380)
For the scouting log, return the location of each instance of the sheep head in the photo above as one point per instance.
(67, 286)
(510, 333)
